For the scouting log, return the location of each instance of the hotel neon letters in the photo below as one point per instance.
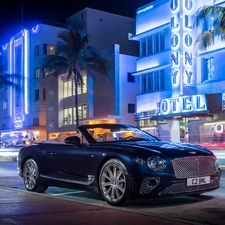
(182, 104)
(181, 70)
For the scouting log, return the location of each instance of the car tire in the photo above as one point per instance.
(114, 182)
(31, 177)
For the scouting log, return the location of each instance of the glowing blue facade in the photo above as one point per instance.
(16, 55)
(23, 111)
(41, 110)
(178, 84)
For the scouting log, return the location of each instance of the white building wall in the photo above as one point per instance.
(128, 90)
(152, 16)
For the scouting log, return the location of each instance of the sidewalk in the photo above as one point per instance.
(20, 207)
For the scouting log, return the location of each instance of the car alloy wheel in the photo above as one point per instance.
(114, 183)
(31, 177)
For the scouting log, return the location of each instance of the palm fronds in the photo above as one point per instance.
(211, 20)
(75, 57)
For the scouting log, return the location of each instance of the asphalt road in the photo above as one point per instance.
(207, 209)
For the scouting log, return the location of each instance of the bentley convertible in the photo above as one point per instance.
(121, 162)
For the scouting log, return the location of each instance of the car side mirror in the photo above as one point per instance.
(72, 140)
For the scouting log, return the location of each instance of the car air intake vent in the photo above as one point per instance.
(193, 166)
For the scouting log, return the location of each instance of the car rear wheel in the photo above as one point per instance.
(31, 177)
(114, 182)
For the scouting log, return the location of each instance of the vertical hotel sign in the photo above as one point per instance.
(181, 46)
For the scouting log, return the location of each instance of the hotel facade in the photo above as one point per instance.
(182, 90)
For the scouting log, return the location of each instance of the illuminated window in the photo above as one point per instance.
(36, 51)
(69, 114)
(69, 87)
(82, 88)
(5, 104)
(208, 71)
(49, 49)
(153, 81)
(37, 73)
(48, 71)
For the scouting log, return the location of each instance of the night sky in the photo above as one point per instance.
(19, 14)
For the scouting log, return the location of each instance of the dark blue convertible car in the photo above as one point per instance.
(120, 162)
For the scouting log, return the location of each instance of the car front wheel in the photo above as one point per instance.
(114, 182)
(31, 177)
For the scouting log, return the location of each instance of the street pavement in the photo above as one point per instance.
(19, 207)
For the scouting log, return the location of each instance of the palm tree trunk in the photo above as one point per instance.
(76, 99)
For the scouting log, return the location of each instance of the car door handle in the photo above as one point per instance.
(52, 154)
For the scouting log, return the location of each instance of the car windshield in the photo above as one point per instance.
(114, 132)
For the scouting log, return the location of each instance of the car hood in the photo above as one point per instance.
(170, 149)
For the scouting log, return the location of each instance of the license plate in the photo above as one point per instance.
(198, 181)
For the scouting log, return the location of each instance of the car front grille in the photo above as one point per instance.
(181, 188)
(194, 166)
(188, 167)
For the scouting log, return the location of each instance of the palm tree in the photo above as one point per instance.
(214, 16)
(5, 81)
(76, 57)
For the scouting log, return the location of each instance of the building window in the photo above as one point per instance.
(36, 122)
(130, 35)
(69, 114)
(37, 73)
(82, 88)
(49, 49)
(153, 81)
(48, 71)
(36, 95)
(5, 104)
(130, 78)
(44, 93)
(143, 47)
(69, 87)
(18, 99)
(153, 44)
(131, 108)
(36, 51)
(208, 72)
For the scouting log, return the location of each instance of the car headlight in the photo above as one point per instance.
(156, 163)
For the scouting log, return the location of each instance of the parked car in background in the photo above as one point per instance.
(120, 162)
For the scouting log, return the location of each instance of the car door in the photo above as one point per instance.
(70, 162)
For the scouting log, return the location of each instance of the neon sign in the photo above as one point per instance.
(18, 120)
(175, 46)
(182, 104)
(181, 45)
